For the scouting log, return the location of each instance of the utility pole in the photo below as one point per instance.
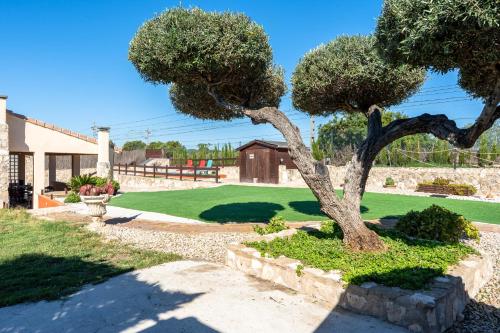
(311, 129)
(147, 135)
(94, 129)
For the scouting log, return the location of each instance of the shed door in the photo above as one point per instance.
(257, 164)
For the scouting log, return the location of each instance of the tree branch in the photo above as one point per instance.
(442, 127)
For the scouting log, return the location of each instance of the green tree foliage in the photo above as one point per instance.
(201, 53)
(444, 35)
(156, 145)
(347, 74)
(133, 145)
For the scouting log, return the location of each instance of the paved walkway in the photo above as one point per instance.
(185, 296)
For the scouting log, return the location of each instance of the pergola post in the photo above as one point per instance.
(4, 154)
(21, 168)
(38, 176)
(75, 165)
(52, 169)
(103, 164)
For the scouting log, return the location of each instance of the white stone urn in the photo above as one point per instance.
(97, 206)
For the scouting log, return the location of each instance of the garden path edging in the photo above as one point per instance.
(431, 310)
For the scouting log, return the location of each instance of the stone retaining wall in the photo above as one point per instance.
(486, 180)
(431, 310)
(138, 183)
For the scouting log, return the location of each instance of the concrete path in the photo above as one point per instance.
(113, 212)
(185, 296)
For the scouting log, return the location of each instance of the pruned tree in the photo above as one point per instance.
(219, 66)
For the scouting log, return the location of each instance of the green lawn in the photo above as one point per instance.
(46, 260)
(233, 203)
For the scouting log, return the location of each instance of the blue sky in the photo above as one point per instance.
(65, 62)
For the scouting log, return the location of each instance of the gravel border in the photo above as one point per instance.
(210, 246)
(482, 314)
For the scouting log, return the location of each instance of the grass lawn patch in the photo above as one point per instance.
(236, 203)
(408, 264)
(42, 260)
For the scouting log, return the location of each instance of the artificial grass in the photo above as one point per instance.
(408, 263)
(42, 260)
(236, 203)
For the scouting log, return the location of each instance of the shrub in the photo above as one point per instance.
(77, 182)
(462, 189)
(437, 223)
(103, 182)
(276, 224)
(72, 198)
(389, 181)
(441, 181)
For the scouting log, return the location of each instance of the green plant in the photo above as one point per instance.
(437, 223)
(407, 263)
(276, 224)
(441, 181)
(389, 181)
(299, 270)
(72, 198)
(78, 181)
(462, 189)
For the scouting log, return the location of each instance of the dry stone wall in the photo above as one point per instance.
(486, 180)
(4, 164)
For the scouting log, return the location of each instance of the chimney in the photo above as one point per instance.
(103, 164)
(3, 109)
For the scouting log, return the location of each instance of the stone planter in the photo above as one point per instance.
(97, 206)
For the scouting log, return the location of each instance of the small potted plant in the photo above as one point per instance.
(389, 183)
(96, 199)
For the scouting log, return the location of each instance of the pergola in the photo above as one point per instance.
(21, 136)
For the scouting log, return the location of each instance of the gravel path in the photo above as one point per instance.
(210, 246)
(482, 314)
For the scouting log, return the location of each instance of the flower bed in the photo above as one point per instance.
(445, 186)
(315, 263)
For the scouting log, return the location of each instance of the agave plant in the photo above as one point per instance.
(77, 182)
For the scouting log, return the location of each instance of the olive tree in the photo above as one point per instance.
(219, 66)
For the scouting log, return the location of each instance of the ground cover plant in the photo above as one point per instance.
(407, 263)
(219, 66)
(44, 260)
(276, 224)
(235, 203)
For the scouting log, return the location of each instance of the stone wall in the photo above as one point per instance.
(486, 180)
(4, 164)
(433, 309)
(138, 183)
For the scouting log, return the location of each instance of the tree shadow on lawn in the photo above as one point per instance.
(243, 212)
(313, 208)
(121, 303)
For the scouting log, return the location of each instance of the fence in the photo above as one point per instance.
(178, 172)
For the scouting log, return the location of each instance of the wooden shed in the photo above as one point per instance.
(260, 161)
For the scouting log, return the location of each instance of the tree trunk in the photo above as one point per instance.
(316, 175)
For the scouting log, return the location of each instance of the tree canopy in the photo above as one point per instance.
(133, 145)
(205, 54)
(444, 35)
(347, 74)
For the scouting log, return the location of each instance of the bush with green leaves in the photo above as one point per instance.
(437, 223)
(276, 224)
(78, 181)
(389, 182)
(72, 198)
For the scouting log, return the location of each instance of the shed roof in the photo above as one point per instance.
(266, 143)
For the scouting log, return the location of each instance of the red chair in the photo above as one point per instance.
(203, 164)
